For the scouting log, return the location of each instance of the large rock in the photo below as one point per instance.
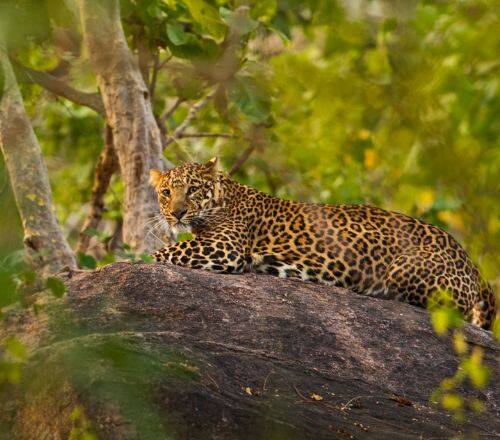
(156, 351)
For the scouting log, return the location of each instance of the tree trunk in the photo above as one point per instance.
(129, 113)
(44, 242)
(107, 165)
(152, 351)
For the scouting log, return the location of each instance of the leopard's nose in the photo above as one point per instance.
(179, 213)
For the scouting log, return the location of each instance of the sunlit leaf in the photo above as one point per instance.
(478, 373)
(147, 258)
(208, 17)
(177, 34)
(444, 319)
(451, 402)
(16, 348)
(185, 236)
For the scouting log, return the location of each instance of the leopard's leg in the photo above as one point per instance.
(275, 264)
(289, 266)
(206, 253)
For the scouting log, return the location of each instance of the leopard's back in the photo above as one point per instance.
(368, 250)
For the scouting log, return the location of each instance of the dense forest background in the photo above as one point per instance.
(388, 103)
(393, 104)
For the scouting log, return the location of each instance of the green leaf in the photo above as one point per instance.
(452, 402)
(107, 259)
(280, 25)
(196, 47)
(176, 34)
(37, 308)
(185, 236)
(146, 258)
(479, 373)
(85, 260)
(15, 347)
(444, 319)
(92, 232)
(8, 290)
(264, 10)
(56, 286)
(208, 17)
(250, 100)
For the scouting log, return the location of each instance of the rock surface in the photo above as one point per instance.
(157, 351)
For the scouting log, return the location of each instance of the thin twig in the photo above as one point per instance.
(264, 389)
(208, 135)
(154, 76)
(165, 61)
(171, 110)
(300, 394)
(243, 158)
(60, 88)
(256, 138)
(193, 111)
(346, 405)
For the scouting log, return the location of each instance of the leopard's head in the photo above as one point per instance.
(187, 194)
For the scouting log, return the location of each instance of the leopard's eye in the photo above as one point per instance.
(191, 190)
(165, 192)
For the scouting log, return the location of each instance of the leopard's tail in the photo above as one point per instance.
(484, 311)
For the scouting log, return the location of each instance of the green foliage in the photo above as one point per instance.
(399, 111)
(185, 236)
(87, 261)
(56, 286)
(81, 429)
(444, 315)
(12, 357)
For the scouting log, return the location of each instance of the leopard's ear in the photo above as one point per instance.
(211, 166)
(155, 177)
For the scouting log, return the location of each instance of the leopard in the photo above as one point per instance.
(384, 254)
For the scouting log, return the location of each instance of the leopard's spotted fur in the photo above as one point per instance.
(362, 248)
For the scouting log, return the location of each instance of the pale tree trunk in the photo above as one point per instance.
(44, 242)
(129, 113)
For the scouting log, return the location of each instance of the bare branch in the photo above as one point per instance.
(106, 166)
(171, 110)
(256, 138)
(60, 88)
(243, 158)
(193, 111)
(154, 75)
(207, 135)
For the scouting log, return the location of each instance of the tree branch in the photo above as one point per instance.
(243, 158)
(60, 88)
(193, 111)
(256, 138)
(154, 76)
(207, 135)
(44, 241)
(171, 110)
(106, 166)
